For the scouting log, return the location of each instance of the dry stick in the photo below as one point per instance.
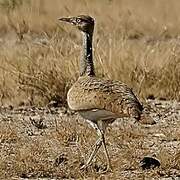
(141, 83)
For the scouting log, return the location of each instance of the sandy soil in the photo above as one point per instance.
(52, 143)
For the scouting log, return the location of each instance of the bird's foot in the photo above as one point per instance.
(107, 169)
(84, 167)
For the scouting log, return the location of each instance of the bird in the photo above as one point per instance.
(100, 101)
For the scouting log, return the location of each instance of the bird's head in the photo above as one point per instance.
(84, 23)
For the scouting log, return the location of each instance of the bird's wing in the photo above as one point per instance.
(93, 93)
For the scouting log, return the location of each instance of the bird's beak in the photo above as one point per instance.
(67, 19)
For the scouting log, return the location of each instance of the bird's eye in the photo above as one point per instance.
(78, 20)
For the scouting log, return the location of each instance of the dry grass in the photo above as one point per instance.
(136, 42)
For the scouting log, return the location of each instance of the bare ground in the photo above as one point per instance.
(52, 143)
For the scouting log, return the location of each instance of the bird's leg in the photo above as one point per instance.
(96, 148)
(102, 127)
(109, 167)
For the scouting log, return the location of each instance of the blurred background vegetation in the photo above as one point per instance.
(136, 42)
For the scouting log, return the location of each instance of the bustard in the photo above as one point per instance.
(99, 101)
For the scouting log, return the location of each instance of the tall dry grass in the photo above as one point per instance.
(135, 41)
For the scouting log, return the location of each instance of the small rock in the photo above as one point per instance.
(149, 162)
(151, 96)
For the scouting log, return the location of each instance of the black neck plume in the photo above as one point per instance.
(86, 63)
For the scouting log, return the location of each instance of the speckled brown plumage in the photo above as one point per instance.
(89, 93)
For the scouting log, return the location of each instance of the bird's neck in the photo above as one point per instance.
(86, 63)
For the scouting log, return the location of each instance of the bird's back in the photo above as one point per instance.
(91, 93)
